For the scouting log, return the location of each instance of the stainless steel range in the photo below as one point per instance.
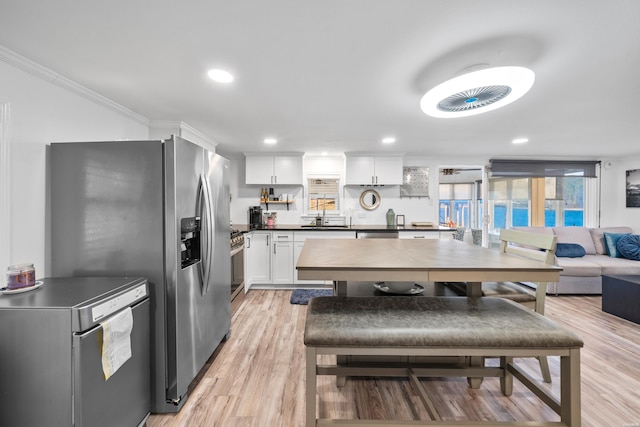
(237, 262)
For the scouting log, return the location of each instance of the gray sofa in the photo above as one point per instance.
(583, 275)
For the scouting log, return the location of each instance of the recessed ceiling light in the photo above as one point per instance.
(270, 141)
(520, 140)
(477, 92)
(388, 140)
(324, 153)
(220, 76)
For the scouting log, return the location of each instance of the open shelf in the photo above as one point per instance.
(278, 202)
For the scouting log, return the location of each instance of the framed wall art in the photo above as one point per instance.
(633, 188)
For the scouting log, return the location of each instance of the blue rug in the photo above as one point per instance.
(302, 296)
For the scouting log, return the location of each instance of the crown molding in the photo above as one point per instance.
(37, 70)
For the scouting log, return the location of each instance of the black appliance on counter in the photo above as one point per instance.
(255, 217)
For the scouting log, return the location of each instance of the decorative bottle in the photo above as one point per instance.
(391, 218)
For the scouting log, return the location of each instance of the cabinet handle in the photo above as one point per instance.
(275, 179)
(376, 179)
(268, 235)
(248, 242)
(274, 248)
(418, 237)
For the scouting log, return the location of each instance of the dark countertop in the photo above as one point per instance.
(380, 228)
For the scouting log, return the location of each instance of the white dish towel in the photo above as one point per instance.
(116, 341)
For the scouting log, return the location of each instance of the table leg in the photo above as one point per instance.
(340, 288)
(474, 289)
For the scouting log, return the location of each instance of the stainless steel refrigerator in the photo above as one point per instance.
(157, 209)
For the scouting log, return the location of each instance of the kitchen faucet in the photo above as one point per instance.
(324, 209)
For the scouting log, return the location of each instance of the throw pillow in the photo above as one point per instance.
(611, 240)
(569, 250)
(629, 246)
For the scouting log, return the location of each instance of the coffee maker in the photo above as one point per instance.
(255, 217)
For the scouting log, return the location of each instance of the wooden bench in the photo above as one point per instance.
(438, 326)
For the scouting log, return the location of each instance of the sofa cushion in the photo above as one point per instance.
(629, 246)
(579, 235)
(587, 266)
(597, 235)
(569, 250)
(620, 266)
(611, 239)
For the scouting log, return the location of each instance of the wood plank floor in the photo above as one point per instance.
(256, 378)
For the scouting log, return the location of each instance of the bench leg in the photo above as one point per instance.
(475, 361)
(310, 394)
(506, 381)
(544, 369)
(570, 389)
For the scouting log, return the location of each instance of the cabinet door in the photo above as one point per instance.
(360, 170)
(259, 170)
(257, 266)
(282, 259)
(287, 170)
(388, 170)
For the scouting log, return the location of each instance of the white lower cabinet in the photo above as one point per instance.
(270, 257)
(282, 258)
(257, 258)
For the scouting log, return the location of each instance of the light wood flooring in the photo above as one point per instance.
(256, 378)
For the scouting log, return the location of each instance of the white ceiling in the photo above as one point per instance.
(339, 75)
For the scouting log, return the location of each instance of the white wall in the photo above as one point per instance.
(41, 112)
(613, 202)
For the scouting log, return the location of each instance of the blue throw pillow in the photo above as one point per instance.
(570, 250)
(629, 246)
(611, 240)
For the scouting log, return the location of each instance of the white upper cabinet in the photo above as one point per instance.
(278, 169)
(374, 170)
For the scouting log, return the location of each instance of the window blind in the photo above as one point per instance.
(323, 186)
(543, 168)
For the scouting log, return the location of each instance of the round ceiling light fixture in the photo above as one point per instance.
(477, 92)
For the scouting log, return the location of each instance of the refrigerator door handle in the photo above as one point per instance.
(205, 235)
(210, 230)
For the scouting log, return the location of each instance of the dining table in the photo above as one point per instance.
(417, 260)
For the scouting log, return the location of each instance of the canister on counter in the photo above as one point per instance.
(20, 276)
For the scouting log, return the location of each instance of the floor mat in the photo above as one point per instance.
(302, 296)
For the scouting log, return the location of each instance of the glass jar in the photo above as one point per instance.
(20, 276)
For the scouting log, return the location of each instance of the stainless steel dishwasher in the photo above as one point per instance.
(378, 234)
(50, 354)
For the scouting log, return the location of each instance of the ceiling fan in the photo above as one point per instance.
(456, 171)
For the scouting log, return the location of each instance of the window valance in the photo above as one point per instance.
(543, 168)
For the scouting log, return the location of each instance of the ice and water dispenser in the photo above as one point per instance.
(190, 237)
